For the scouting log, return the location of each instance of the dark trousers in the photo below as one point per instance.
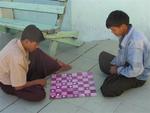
(115, 85)
(41, 66)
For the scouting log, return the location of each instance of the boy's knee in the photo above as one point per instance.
(101, 59)
(37, 95)
(104, 62)
(105, 91)
(102, 56)
(110, 92)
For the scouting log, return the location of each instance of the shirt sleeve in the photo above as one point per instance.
(118, 60)
(114, 61)
(17, 71)
(135, 62)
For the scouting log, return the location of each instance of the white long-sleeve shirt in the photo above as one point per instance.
(135, 51)
(13, 64)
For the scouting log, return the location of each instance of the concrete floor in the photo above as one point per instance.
(84, 58)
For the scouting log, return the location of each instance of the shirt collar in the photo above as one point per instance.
(127, 37)
(22, 48)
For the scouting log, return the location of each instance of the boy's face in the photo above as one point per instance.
(31, 45)
(119, 31)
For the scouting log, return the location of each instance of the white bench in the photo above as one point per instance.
(51, 31)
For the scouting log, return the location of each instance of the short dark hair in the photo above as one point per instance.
(32, 33)
(117, 18)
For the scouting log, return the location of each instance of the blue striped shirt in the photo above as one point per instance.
(134, 51)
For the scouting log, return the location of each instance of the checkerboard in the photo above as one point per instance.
(72, 85)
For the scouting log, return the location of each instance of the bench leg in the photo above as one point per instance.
(8, 30)
(4, 29)
(69, 37)
(53, 47)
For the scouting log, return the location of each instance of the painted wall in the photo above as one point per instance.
(88, 16)
(0, 13)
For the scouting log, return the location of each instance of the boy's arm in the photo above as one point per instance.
(135, 63)
(18, 74)
(114, 61)
(41, 82)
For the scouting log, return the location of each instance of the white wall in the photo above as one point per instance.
(88, 16)
(0, 13)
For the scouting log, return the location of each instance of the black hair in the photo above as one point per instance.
(32, 33)
(117, 18)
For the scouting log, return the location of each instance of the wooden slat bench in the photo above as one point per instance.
(51, 31)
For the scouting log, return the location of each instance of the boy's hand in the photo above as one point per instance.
(113, 70)
(41, 82)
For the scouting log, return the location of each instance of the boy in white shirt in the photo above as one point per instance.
(23, 66)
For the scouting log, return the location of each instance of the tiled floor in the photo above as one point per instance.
(84, 58)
